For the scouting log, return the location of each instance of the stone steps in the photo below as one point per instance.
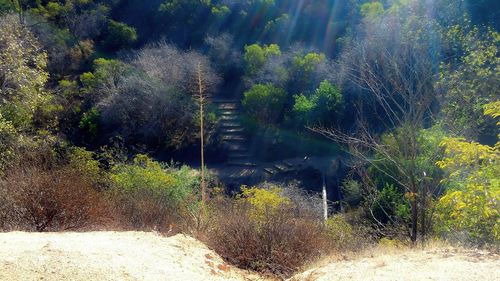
(242, 164)
(231, 124)
(233, 137)
(232, 134)
(229, 117)
(232, 130)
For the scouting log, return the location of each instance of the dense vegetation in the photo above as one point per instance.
(97, 96)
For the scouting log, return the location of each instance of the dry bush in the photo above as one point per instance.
(280, 244)
(35, 199)
(143, 210)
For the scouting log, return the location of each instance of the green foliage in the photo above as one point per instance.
(308, 63)
(390, 206)
(264, 103)
(8, 136)
(170, 186)
(221, 11)
(84, 162)
(470, 205)
(339, 231)
(256, 56)
(6, 6)
(372, 10)
(103, 81)
(351, 191)
(471, 202)
(325, 103)
(23, 73)
(89, 122)
(120, 35)
(471, 81)
(304, 70)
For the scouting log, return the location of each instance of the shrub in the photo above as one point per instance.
(151, 195)
(323, 105)
(339, 232)
(256, 56)
(468, 211)
(264, 202)
(261, 231)
(264, 103)
(120, 35)
(279, 245)
(35, 199)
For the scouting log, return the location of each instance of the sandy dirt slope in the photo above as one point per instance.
(441, 264)
(147, 256)
(110, 256)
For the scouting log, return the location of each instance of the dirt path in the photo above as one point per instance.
(442, 264)
(147, 256)
(110, 256)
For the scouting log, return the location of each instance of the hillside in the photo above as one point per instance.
(147, 256)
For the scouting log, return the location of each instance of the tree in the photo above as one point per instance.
(393, 64)
(119, 35)
(256, 56)
(265, 103)
(321, 107)
(22, 73)
(372, 10)
(203, 84)
(470, 207)
(470, 81)
(152, 100)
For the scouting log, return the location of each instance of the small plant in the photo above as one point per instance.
(340, 233)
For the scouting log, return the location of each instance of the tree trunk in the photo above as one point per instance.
(202, 138)
(325, 202)
(414, 218)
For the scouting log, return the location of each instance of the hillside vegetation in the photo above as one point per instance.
(277, 132)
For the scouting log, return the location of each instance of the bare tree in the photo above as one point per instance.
(392, 63)
(206, 80)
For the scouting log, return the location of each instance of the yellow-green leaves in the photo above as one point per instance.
(256, 56)
(372, 10)
(264, 202)
(470, 81)
(22, 72)
(472, 202)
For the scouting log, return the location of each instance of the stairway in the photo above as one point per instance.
(232, 134)
(279, 168)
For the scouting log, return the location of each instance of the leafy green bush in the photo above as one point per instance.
(256, 56)
(470, 207)
(120, 35)
(150, 195)
(89, 122)
(351, 191)
(390, 206)
(264, 103)
(323, 105)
